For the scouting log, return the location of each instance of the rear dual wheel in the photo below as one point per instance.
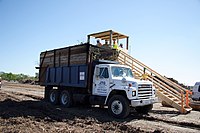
(66, 98)
(53, 96)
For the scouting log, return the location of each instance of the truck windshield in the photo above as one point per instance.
(121, 72)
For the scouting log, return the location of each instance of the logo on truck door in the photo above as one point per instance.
(102, 87)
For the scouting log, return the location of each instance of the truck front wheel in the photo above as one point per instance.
(144, 109)
(118, 106)
(53, 96)
(66, 99)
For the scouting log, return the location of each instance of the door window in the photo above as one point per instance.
(104, 73)
(199, 88)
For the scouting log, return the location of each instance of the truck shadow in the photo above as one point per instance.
(43, 110)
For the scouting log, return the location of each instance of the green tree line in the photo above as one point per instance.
(16, 77)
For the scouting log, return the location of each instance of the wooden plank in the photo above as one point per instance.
(78, 49)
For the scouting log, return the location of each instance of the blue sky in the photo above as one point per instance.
(164, 34)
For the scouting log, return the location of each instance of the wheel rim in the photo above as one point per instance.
(64, 98)
(116, 107)
(53, 96)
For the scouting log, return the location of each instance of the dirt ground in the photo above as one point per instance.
(22, 109)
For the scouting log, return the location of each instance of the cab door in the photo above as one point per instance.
(101, 81)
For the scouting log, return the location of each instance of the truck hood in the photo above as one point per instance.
(126, 80)
(142, 81)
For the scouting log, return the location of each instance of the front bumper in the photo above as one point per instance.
(143, 102)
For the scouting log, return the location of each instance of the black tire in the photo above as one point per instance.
(53, 96)
(66, 99)
(144, 109)
(118, 106)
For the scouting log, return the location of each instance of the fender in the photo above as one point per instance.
(114, 92)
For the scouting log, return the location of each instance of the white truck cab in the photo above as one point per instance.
(118, 79)
(196, 91)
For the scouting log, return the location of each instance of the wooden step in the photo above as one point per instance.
(179, 103)
(165, 93)
(170, 96)
(175, 99)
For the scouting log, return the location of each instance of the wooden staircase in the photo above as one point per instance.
(173, 94)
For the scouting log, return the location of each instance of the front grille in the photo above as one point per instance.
(144, 91)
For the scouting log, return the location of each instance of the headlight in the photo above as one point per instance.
(133, 93)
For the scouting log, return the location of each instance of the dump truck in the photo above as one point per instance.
(89, 74)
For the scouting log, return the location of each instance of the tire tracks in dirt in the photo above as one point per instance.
(174, 123)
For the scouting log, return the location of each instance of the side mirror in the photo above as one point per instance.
(97, 72)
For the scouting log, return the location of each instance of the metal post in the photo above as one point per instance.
(144, 71)
(54, 65)
(111, 38)
(187, 98)
(88, 39)
(54, 58)
(182, 101)
(59, 59)
(118, 39)
(127, 41)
